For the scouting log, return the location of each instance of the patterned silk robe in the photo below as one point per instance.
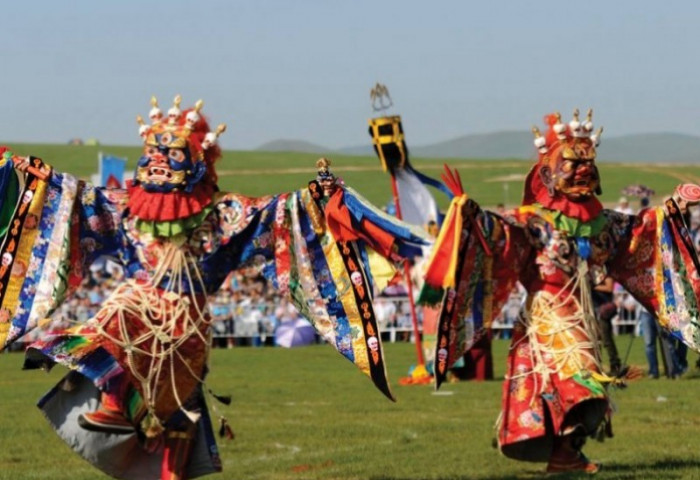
(156, 325)
(554, 384)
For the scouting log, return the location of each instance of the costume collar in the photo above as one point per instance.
(572, 226)
(168, 207)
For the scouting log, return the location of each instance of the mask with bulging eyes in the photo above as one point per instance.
(570, 170)
(167, 165)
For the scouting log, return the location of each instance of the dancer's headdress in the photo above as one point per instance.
(324, 172)
(560, 149)
(183, 129)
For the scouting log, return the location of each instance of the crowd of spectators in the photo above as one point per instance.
(83, 304)
(247, 311)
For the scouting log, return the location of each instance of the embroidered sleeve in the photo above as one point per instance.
(315, 254)
(475, 264)
(57, 226)
(655, 261)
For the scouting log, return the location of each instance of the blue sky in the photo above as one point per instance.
(303, 69)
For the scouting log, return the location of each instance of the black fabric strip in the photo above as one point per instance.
(445, 332)
(679, 224)
(8, 250)
(360, 287)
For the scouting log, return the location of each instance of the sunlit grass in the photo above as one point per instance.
(262, 173)
(306, 413)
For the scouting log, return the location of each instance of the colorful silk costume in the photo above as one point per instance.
(145, 352)
(558, 244)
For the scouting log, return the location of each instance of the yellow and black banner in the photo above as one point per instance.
(388, 141)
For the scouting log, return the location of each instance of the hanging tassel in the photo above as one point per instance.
(605, 430)
(193, 416)
(600, 433)
(608, 428)
(225, 399)
(151, 426)
(225, 430)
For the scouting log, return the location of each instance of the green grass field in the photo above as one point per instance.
(260, 173)
(306, 413)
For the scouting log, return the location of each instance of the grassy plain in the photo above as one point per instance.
(261, 173)
(306, 413)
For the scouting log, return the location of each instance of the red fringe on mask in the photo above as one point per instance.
(165, 207)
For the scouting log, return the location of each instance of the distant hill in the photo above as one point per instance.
(652, 148)
(487, 145)
(363, 150)
(638, 148)
(293, 146)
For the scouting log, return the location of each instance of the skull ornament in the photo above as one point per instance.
(356, 278)
(373, 344)
(192, 116)
(174, 112)
(155, 114)
(451, 294)
(27, 197)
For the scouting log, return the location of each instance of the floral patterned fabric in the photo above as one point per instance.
(553, 381)
(286, 234)
(61, 225)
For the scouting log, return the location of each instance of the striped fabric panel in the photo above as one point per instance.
(36, 260)
(661, 314)
(52, 285)
(679, 311)
(409, 233)
(282, 245)
(27, 239)
(339, 327)
(78, 352)
(352, 321)
(665, 264)
(304, 289)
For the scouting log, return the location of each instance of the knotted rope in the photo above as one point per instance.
(561, 344)
(170, 316)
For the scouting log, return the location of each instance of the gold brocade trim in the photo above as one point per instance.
(314, 308)
(662, 313)
(315, 214)
(177, 140)
(24, 249)
(346, 296)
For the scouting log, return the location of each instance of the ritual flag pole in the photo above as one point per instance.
(388, 140)
(409, 285)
